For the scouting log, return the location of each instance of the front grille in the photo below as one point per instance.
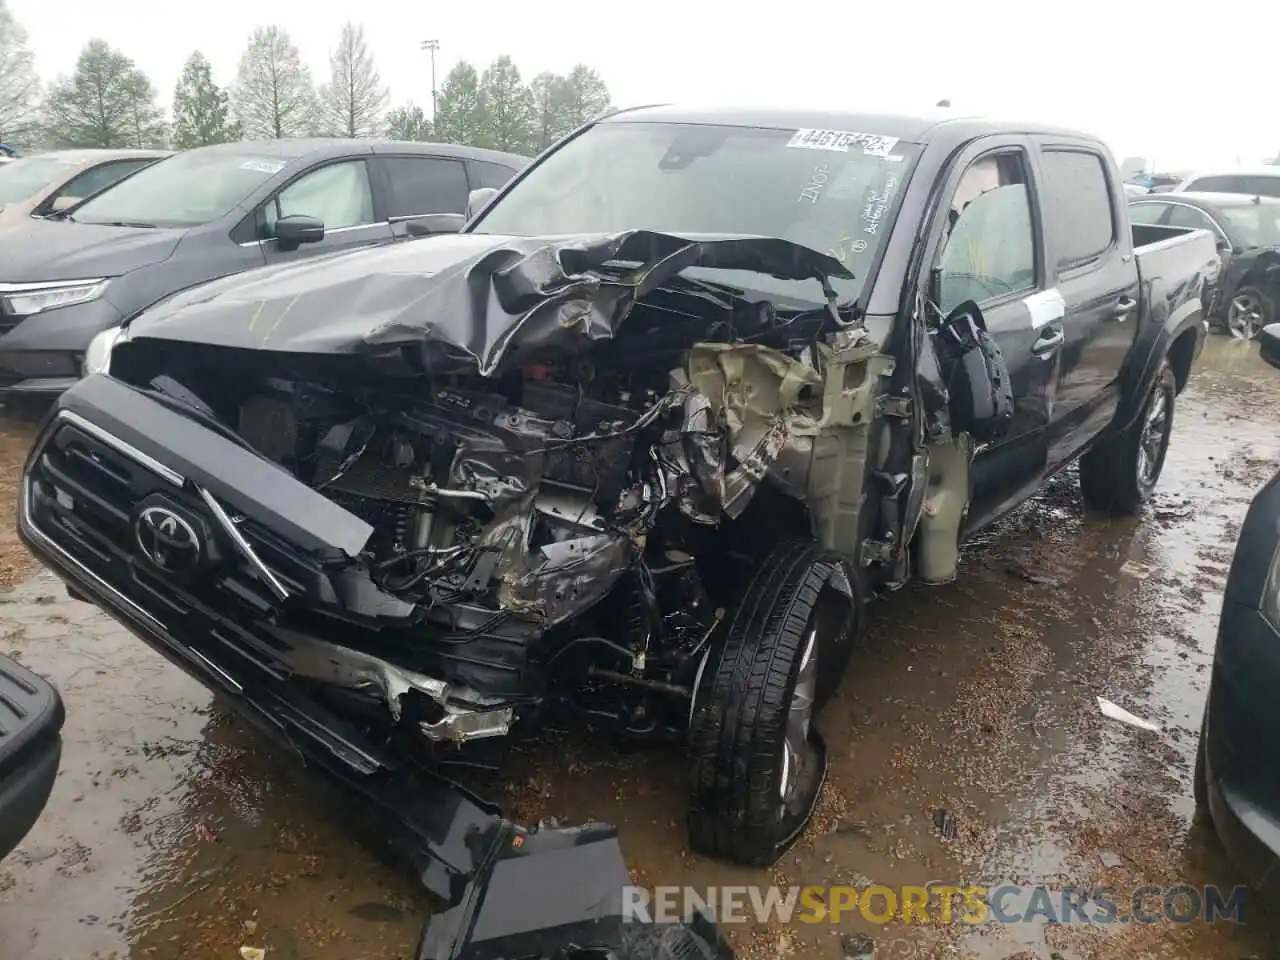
(85, 493)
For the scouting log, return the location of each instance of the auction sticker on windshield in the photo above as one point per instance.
(263, 166)
(841, 140)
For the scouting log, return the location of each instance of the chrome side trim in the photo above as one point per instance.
(226, 677)
(224, 521)
(130, 451)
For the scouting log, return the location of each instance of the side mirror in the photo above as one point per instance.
(293, 231)
(1269, 344)
(64, 203)
(1224, 245)
(478, 199)
(430, 223)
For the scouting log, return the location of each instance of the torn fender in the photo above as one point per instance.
(466, 301)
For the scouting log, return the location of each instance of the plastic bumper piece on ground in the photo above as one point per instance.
(31, 716)
(558, 895)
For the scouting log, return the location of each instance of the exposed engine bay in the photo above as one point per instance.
(570, 527)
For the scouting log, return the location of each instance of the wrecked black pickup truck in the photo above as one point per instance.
(637, 445)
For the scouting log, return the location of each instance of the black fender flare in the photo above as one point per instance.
(1171, 315)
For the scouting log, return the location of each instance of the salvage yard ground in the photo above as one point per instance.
(173, 834)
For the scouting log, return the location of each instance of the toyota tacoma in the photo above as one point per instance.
(635, 443)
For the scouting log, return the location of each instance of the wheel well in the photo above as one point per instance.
(1181, 353)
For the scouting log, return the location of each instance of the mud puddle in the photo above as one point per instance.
(172, 833)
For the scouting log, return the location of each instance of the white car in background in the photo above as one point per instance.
(1261, 181)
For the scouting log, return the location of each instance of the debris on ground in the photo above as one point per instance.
(1113, 712)
(253, 953)
(858, 946)
(946, 823)
(1110, 860)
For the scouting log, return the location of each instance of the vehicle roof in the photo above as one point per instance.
(89, 155)
(941, 125)
(1207, 199)
(322, 147)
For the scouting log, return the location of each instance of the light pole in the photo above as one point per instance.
(433, 46)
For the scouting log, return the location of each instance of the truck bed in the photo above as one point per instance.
(1176, 262)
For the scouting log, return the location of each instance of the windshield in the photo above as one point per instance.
(185, 190)
(832, 191)
(21, 178)
(1252, 225)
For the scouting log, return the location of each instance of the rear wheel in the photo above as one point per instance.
(1200, 783)
(1119, 474)
(1249, 311)
(756, 763)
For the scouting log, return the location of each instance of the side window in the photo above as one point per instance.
(337, 194)
(426, 185)
(1219, 184)
(1078, 215)
(990, 251)
(1264, 186)
(99, 178)
(491, 174)
(1182, 216)
(1147, 213)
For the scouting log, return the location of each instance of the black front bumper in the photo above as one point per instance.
(507, 891)
(31, 716)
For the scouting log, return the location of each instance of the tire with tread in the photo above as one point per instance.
(1109, 479)
(742, 701)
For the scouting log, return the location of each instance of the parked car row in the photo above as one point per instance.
(1247, 230)
(101, 238)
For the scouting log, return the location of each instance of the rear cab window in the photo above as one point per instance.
(1079, 213)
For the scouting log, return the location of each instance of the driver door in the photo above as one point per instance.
(339, 194)
(991, 252)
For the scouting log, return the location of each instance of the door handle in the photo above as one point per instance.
(1049, 341)
(1124, 307)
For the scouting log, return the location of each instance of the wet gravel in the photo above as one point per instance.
(966, 746)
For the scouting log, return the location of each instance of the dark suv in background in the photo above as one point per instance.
(208, 213)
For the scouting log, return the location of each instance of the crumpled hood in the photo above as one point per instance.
(467, 299)
(62, 250)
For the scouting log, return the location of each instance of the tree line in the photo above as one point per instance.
(107, 101)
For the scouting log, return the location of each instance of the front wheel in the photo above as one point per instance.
(1119, 474)
(756, 765)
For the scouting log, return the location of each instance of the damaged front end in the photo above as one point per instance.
(394, 511)
(544, 442)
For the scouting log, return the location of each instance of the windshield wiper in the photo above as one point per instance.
(124, 223)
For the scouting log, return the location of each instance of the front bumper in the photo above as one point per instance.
(31, 716)
(43, 353)
(489, 873)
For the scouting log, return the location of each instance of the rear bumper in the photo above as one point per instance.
(31, 716)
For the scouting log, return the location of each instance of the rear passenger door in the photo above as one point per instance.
(417, 186)
(340, 194)
(1094, 273)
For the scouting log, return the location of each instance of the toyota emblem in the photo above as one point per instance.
(168, 541)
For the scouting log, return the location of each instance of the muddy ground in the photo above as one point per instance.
(172, 833)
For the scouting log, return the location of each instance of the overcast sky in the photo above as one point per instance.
(1172, 83)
